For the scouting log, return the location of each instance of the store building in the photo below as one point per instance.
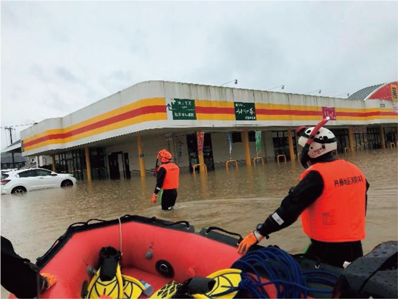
(119, 136)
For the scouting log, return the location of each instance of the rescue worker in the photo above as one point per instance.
(19, 276)
(167, 180)
(331, 198)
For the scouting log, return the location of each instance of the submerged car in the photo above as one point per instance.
(21, 181)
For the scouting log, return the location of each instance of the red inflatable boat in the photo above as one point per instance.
(166, 257)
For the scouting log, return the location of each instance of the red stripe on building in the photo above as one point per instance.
(365, 114)
(286, 112)
(101, 123)
(215, 110)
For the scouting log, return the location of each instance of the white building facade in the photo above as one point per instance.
(121, 134)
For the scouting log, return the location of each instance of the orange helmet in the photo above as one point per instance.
(164, 156)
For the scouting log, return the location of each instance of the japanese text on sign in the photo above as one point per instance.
(182, 109)
(329, 112)
(245, 111)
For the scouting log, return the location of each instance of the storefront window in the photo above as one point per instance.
(98, 163)
(373, 135)
(391, 134)
(281, 143)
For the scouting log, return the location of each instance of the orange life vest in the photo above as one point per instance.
(338, 215)
(171, 181)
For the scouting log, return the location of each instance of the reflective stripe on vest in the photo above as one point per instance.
(171, 181)
(338, 215)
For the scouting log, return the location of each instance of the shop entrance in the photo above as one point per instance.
(374, 141)
(281, 143)
(119, 166)
(193, 151)
(342, 139)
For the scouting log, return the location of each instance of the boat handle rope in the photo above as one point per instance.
(154, 219)
(225, 231)
(85, 223)
(61, 238)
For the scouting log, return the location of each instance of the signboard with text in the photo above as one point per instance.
(181, 109)
(200, 138)
(245, 111)
(329, 112)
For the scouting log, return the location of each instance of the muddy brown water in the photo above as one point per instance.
(236, 200)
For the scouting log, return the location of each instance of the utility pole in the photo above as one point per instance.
(12, 154)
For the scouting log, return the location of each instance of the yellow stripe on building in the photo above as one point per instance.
(104, 129)
(106, 115)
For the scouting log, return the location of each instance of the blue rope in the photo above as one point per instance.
(282, 271)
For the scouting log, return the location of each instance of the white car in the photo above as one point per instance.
(21, 181)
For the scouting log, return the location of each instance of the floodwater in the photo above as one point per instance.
(236, 200)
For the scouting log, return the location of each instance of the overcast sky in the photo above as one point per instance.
(57, 57)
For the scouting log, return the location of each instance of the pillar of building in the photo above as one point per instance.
(382, 138)
(291, 146)
(245, 138)
(88, 164)
(201, 162)
(200, 154)
(351, 139)
(53, 166)
(141, 158)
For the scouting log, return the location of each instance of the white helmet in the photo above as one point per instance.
(324, 142)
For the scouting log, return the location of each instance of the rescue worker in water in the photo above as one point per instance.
(167, 180)
(331, 198)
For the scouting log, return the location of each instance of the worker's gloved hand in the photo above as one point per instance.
(48, 281)
(248, 241)
(154, 197)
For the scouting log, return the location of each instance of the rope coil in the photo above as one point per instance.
(282, 271)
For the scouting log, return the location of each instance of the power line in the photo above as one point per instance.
(235, 82)
(281, 86)
(318, 90)
(20, 125)
(339, 95)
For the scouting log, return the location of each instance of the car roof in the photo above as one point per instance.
(33, 168)
(9, 169)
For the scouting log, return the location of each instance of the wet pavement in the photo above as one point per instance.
(236, 200)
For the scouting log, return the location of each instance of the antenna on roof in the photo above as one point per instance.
(235, 82)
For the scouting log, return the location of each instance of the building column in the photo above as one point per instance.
(202, 162)
(141, 158)
(291, 146)
(245, 138)
(88, 164)
(351, 139)
(382, 138)
(200, 153)
(54, 168)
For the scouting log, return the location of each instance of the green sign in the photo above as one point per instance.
(245, 111)
(182, 109)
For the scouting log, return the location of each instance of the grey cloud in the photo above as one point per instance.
(38, 72)
(55, 102)
(117, 80)
(67, 75)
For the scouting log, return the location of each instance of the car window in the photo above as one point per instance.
(42, 172)
(28, 173)
(4, 176)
